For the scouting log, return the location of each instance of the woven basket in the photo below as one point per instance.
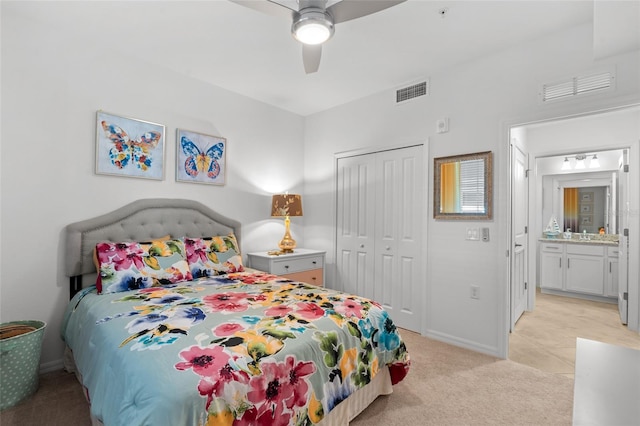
(20, 347)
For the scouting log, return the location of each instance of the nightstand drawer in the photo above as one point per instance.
(290, 266)
(313, 276)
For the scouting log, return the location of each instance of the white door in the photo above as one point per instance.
(623, 230)
(398, 232)
(519, 226)
(355, 224)
(379, 230)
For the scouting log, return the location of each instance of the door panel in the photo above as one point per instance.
(519, 259)
(623, 266)
(356, 197)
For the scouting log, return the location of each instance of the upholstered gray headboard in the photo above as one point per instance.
(142, 220)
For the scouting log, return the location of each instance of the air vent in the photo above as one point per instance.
(577, 86)
(411, 92)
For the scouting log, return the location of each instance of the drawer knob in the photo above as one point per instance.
(361, 245)
(387, 248)
(286, 266)
(314, 262)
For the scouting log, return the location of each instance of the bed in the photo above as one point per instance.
(166, 326)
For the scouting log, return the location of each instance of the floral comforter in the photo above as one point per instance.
(244, 349)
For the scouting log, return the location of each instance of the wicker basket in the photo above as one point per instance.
(20, 347)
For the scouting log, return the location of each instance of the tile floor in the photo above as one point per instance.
(546, 338)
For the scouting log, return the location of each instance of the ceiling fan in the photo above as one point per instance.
(313, 21)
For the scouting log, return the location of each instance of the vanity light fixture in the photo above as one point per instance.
(565, 164)
(594, 163)
(580, 161)
(580, 164)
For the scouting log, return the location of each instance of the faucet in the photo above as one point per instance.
(584, 236)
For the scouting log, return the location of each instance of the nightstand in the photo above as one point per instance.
(302, 265)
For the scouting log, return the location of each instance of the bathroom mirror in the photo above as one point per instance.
(463, 187)
(588, 209)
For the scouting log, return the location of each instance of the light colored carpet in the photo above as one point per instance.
(453, 386)
(445, 386)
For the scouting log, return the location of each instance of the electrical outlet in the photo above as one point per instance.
(475, 292)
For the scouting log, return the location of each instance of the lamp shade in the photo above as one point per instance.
(283, 205)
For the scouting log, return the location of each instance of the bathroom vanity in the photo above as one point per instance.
(580, 268)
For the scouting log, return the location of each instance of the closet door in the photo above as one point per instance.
(355, 224)
(398, 235)
(379, 230)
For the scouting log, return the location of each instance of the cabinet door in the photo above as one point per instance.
(551, 269)
(612, 277)
(585, 274)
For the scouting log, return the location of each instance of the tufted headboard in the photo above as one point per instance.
(141, 220)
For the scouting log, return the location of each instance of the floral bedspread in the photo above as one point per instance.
(244, 349)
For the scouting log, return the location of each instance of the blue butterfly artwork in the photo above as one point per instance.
(203, 157)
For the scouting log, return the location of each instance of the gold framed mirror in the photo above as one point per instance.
(463, 186)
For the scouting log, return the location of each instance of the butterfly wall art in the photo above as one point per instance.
(200, 158)
(129, 147)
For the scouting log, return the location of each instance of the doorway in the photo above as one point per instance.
(597, 131)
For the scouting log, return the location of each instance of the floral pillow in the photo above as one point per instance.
(134, 265)
(213, 256)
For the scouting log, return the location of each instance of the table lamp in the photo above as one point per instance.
(285, 205)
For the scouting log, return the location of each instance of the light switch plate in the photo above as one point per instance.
(485, 234)
(473, 234)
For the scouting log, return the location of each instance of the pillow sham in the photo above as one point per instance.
(217, 255)
(134, 265)
(96, 262)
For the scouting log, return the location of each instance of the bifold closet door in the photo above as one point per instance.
(355, 224)
(380, 208)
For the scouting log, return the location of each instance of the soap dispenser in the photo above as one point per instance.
(567, 234)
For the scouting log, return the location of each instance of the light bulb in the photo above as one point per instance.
(312, 26)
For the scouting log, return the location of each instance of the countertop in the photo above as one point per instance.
(604, 240)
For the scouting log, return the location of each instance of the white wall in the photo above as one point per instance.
(52, 85)
(481, 99)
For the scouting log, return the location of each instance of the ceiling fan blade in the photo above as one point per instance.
(269, 7)
(346, 10)
(311, 55)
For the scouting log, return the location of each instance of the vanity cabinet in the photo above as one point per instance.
(585, 269)
(579, 268)
(551, 269)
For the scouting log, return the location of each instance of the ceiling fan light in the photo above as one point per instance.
(312, 26)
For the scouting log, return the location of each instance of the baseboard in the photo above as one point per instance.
(50, 366)
(463, 343)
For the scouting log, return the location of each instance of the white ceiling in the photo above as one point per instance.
(254, 54)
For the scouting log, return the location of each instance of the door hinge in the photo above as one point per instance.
(526, 229)
(526, 173)
(625, 232)
(625, 168)
(526, 286)
(625, 295)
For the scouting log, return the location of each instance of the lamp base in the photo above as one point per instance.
(287, 244)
